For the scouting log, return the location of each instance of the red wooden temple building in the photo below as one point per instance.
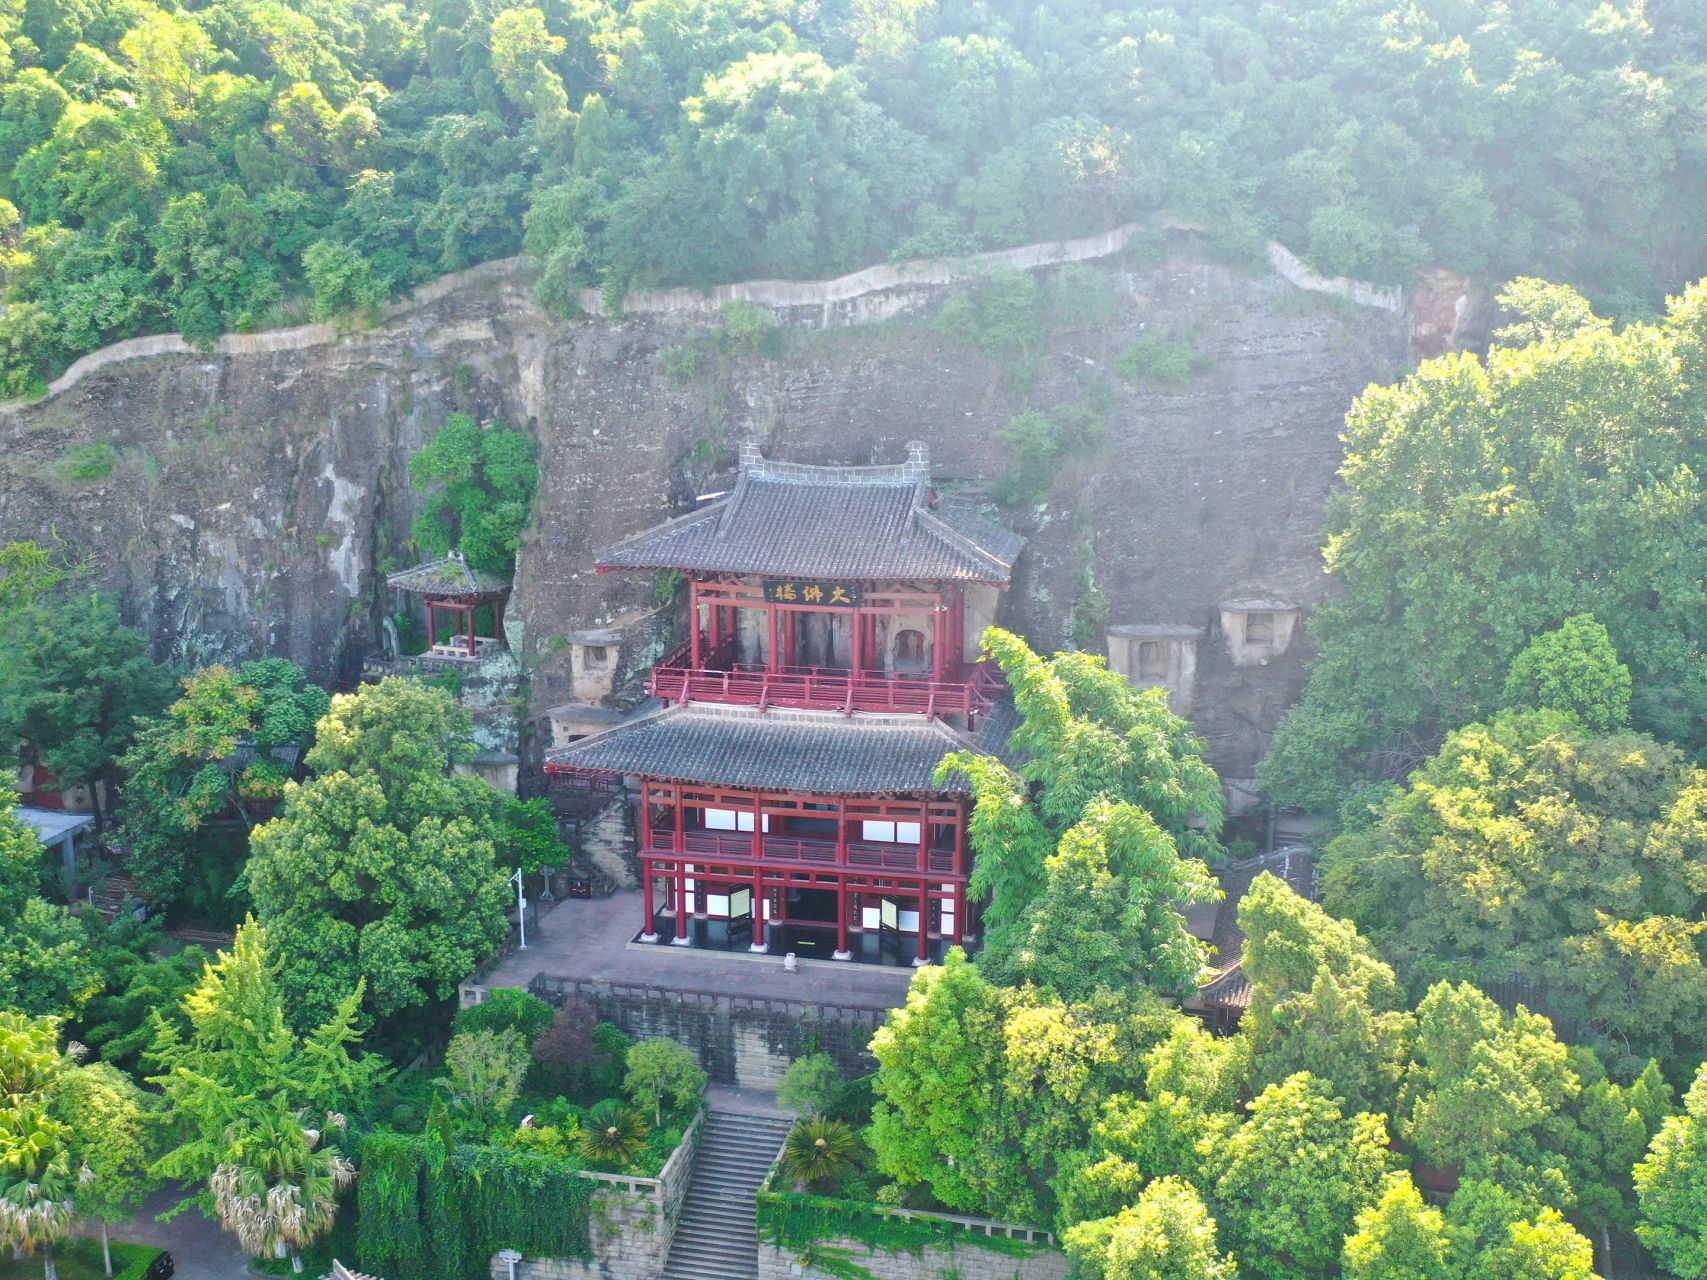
(787, 784)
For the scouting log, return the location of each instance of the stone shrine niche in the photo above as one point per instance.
(1257, 630)
(1157, 655)
(593, 659)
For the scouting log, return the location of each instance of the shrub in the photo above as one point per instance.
(811, 1085)
(611, 1049)
(682, 364)
(484, 1072)
(818, 1151)
(747, 329)
(659, 1069)
(565, 1052)
(1160, 360)
(612, 1133)
(507, 1009)
(88, 461)
(344, 283)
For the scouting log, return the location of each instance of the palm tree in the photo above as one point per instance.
(817, 1150)
(277, 1189)
(612, 1133)
(36, 1183)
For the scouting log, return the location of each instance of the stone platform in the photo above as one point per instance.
(590, 938)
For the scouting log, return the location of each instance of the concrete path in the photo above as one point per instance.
(589, 938)
(200, 1248)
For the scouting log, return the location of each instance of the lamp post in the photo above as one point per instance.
(521, 909)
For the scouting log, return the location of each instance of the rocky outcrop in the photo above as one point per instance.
(258, 492)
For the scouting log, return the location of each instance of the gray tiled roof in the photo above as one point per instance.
(450, 576)
(777, 750)
(787, 520)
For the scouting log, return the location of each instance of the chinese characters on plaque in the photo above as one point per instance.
(821, 595)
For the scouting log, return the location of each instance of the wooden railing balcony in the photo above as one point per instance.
(971, 692)
(801, 851)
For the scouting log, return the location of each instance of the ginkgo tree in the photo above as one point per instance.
(239, 1090)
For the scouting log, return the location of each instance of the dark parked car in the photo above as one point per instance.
(162, 1268)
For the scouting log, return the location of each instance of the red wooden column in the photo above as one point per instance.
(759, 943)
(957, 935)
(841, 833)
(924, 956)
(925, 836)
(684, 918)
(648, 932)
(716, 630)
(788, 628)
(432, 626)
(693, 623)
(842, 951)
(858, 629)
(471, 631)
(681, 841)
(939, 625)
(770, 658)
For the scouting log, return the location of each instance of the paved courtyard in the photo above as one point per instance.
(589, 938)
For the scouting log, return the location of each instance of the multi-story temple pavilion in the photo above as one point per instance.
(788, 786)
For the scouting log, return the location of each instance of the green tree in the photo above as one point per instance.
(1532, 847)
(1671, 1184)
(277, 1188)
(1166, 1235)
(73, 679)
(1116, 765)
(660, 1070)
(480, 485)
(1486, 502)
(1573, 669)
(1483, 1079)
(811, 1085)
(239, 1058)
(1321, 1001)
(1294, 1178)
(1399, 1238)
(38, 1185)
(180, 771)
(112, 1145)
(939, 1069)
(484, 1071)
(382, 867)
(1497, 1234)
(28, 571)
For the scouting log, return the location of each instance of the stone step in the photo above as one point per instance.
(717, 1237)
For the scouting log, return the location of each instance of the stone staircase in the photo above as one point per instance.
(716, 1238)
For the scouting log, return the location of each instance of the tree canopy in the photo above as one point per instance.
(1534, 848)
(73, 680)
(182, 769)
(232, 166)
(1090, 851)
(382, 867)
(1488, 503)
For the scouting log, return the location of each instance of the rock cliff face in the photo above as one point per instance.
(258, 493)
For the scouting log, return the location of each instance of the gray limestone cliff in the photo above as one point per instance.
(259, 492)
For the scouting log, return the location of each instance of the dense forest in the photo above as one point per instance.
(246, 163)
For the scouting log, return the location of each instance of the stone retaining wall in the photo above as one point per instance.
(633, 1224)
(966, 1262)
(744, 1041)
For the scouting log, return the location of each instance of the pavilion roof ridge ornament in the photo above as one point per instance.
(449, 575)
